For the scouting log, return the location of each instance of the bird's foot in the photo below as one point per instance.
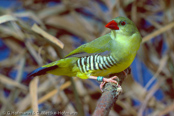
(112, 80)
(106, 80)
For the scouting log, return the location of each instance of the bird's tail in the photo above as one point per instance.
(41, 71)
(60, 67)
(37, 72)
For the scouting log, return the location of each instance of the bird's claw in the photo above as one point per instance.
(112, 80)
(125, 73)
(119, 89)
(101, 86)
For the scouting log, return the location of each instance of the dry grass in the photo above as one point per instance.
(40, 39)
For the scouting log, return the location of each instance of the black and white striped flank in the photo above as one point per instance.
(95, 62)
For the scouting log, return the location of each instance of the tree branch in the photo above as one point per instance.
(109, 96)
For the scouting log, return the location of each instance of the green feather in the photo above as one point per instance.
(98, 45)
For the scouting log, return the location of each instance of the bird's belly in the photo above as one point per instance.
(121, 66)
(115, 69)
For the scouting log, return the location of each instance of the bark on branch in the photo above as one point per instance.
(109, 96)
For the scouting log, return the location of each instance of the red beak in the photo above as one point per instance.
(112, 25)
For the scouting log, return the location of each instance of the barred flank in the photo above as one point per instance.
(95, 62)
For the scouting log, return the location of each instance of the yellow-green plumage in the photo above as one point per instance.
(111, 53)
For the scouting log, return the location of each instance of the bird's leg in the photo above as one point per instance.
(125, 73)
(106, 80)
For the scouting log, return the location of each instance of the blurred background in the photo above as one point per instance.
(33, 33)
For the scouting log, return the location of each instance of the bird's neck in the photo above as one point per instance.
(126, 43)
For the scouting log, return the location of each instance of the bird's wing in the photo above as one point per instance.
(101, 46)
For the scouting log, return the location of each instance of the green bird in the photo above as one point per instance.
(108, 54)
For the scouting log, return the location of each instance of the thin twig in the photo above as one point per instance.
(158, 32)
(34, 96)
(168, 109)
(79, 104)
(148, 96)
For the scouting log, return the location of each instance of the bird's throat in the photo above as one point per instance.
(113, 34)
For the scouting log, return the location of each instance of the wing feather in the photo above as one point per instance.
(101, 45)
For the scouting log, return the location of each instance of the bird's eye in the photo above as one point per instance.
(123, 23)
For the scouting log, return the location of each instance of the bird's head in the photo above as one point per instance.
(124, 31)
(122, 25)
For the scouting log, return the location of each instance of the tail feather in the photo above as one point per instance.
(37, 72)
